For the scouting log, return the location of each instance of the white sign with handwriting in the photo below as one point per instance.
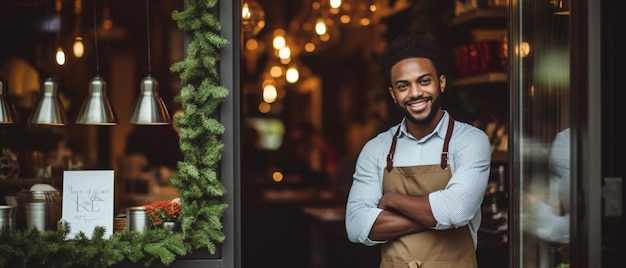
(88, 200)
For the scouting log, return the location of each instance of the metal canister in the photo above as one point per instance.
(137, 219)
(42, 209)
(7, 218)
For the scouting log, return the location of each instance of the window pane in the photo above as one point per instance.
(543, 133)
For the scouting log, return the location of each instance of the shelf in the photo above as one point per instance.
(20, 182)
(493, 77)
(480, 13)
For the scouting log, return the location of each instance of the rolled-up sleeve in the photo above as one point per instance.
(459, 203)
(365, 193)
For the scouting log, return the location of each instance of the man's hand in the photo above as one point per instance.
(390, 225)
(387, 201)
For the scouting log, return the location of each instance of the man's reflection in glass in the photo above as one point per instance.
(549, 217)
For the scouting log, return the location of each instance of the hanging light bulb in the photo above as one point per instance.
(78, 47)
(270, 93)
(352, 12)
(320, 26)
(150, 108)
(252, 18)
(60, 56)
(292, 74)
(49, 109)
(96, 110)
(7, 110)
(317, 31)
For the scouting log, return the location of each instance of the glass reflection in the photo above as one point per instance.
(544, 137)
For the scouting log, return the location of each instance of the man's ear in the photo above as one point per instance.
(442, 83)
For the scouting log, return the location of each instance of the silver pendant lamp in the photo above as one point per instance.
(7, 110)
(49, 109)
(150, 108)
(96, 109)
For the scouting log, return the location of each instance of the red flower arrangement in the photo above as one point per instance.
(163, 211)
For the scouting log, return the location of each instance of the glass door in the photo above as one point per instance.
(540, 133)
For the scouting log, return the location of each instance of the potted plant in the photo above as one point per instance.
(165, 213)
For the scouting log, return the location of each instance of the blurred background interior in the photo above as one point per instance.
(312, 95)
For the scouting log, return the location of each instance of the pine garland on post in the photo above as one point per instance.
(197, 178)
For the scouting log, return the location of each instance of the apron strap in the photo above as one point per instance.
(392, 150)
(444, 152)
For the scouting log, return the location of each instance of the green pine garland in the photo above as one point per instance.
(200, 186)
(201, 95)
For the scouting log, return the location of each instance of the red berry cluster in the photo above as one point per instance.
(163, 211)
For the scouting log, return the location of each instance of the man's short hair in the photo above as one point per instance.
(410, 46)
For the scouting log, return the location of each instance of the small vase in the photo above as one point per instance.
(173, 227)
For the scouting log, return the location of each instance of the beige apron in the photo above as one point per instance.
(452, 248)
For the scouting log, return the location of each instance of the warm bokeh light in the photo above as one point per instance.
(264, 107)
(309, 47)
(78, 47)
(252, 18)
(270, 93)
(277, 176)
(285, 61)
(107, 24)
(334, 3)
(279, 40)
(325, 37)
(252, 44)
(523, 50)
(345, 19)
(245, 11)
(292, 75)
(320, 26)
(316, 5)
(276, 71)
(284, 52)
(60, 56)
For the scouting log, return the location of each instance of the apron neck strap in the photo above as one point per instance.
(392, 150)
(444, 152)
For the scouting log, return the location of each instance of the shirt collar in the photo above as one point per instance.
(440, 129)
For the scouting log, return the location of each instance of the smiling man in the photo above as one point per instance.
(417, 187)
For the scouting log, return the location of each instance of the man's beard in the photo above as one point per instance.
(436, 104)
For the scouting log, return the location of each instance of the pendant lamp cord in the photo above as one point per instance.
(95, 34)
(49, 38)
(148, 35)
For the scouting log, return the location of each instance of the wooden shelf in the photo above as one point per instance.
(20, 182)
(493, 77)
(480, 13)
